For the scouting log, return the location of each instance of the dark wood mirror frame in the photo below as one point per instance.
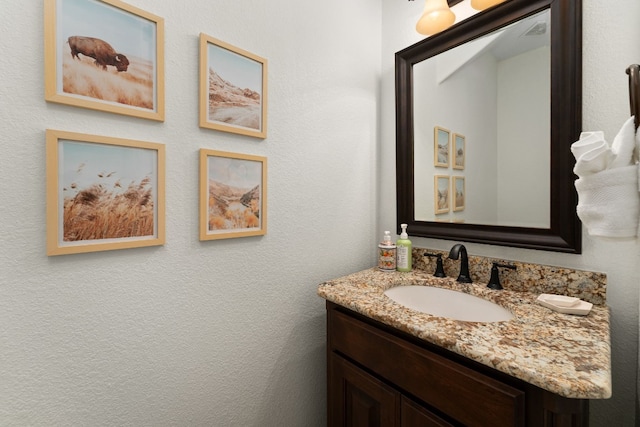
(565, 232)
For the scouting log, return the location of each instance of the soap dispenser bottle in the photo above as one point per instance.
(403, 250)
(387, 253)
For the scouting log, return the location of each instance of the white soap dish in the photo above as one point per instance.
(565, 304)
(561, 300)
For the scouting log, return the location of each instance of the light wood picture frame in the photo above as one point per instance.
(233, 195)
(441, 147)
(441, 191)
(458, 151)
(103, 193)
(458, 195)
(104, 55)
(233, 89)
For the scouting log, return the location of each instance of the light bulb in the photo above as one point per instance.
(436, 17)
(484, 4)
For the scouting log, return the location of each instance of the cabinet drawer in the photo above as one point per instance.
(468, 396)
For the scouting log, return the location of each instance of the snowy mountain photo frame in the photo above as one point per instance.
(233, 89)
(233, 195)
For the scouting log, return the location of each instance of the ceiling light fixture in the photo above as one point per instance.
(484, 4)
(436, 17)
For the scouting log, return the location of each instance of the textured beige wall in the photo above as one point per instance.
(220, 333)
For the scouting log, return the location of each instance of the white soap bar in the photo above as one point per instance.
(581, 308)
(561, 300)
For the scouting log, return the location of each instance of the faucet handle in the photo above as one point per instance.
(439, 266)
(494, 280)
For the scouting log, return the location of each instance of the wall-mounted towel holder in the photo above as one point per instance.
(634, 92)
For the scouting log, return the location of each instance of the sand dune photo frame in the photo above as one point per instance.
(103, 193)
(104, 55)
(233, 89)
(233, 195)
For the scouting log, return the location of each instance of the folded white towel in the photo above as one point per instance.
(623, 145)
(587, 142)
(609, 202)
(592, 153)
(593, 161)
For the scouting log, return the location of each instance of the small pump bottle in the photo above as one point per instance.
(387, 253)
(403, 244)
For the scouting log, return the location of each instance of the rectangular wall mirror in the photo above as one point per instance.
(494, 102)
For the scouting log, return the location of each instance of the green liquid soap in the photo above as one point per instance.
(403, 250)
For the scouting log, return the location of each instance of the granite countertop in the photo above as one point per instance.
(565, 354)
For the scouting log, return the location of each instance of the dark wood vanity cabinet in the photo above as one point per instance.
(359, 399)
(379, 376)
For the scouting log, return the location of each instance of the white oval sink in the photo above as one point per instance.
(447, 303)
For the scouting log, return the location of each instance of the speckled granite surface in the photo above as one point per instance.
(587, 285)
(565, 354)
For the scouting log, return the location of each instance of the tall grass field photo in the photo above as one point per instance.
(103, 193)
(104, 55)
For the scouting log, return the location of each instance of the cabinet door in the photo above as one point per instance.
(414, 415)
(356, 399)
(436, 380)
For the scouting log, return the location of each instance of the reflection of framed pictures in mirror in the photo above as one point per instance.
(233, 195)
(458, 150)
(103, 193)
(440, 147)
(441, 194)
(104, 55)
(233, 89)
(458, 195)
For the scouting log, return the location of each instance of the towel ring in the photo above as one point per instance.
(634, 92)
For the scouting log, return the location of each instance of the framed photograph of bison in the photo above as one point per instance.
(233, 195)
(233, 89)
(104, 55)
(103, 193)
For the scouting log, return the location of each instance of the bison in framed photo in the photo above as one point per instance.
(99, 50)
(104, 55)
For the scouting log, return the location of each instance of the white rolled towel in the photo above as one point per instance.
(592, 153)
(623, 145)
(594, 160)
(609, 202)
(587, 142)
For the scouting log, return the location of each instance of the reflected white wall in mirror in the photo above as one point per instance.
(495, 91)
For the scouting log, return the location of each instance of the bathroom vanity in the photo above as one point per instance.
(392, 366)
